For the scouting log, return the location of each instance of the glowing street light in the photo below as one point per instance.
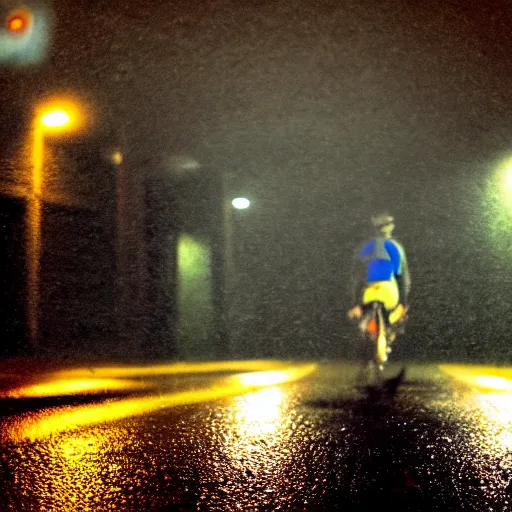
(241, 203)
(56, 119)
(58, 116)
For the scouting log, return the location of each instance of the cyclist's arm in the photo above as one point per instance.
(357, 277)
(403, 278)
(401, 269)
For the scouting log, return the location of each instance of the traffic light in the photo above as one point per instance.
(25, 32)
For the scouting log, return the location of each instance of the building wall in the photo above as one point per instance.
(161, 239)
(186, 305)
(13, 332)
(92, 250)
(201, 286)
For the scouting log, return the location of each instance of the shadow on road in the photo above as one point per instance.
(395, 452)
(11, 406)
(370, 394)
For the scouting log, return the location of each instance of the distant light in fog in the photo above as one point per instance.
(241, 203)
(19, 22)
(183, 164)
(498, 200)
(507, 173)
(193, 258)
(25, 34)
(117, 157)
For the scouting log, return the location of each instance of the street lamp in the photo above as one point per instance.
(50, 119)
(56, 119)
(241, 203)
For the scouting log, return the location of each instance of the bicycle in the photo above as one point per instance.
(375, 332)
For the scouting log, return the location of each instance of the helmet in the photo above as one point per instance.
(382, 220)
(384, 224)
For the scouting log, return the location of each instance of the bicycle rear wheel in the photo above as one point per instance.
(374, 346)
(381, 342)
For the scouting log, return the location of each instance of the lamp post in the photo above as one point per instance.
(48, 120)
(229, 228)
(225, 208)
(232, 208)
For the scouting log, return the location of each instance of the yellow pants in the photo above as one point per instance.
(385, 292)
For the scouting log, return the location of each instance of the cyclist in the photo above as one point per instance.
(381, 274)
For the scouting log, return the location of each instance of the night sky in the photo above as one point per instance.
(321, 112)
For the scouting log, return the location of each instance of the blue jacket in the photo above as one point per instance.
(381, 259)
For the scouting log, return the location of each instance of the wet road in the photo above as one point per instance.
(256, 436)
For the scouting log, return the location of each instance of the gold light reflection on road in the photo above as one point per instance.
(74, 472)
(263, 378)
(170, 369)
(490, 408)
(101, 379)
(492, 382)
(74, 449)
(47, 423)
(257, 430)
(258, 421)
(258, 413)
(70, 387)
(496, 420)
(483, 377)
(497, 406)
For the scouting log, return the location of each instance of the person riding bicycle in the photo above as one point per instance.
(381, 274)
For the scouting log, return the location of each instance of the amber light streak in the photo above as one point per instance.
(170, 369)
(45, 424)
(70, 387)
(100, 379)
(269, 378)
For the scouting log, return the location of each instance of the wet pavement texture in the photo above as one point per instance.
(313, 443)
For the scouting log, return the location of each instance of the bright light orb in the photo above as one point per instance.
(19, 22)
(16, 24)
(56, 119)
(241, 203)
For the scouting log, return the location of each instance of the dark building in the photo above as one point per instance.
(187, 274)
(74, 261)
(100, 260)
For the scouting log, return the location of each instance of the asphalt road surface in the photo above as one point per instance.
(256, 436)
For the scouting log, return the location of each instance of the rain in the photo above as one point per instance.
(182, 190)
(321, 114)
